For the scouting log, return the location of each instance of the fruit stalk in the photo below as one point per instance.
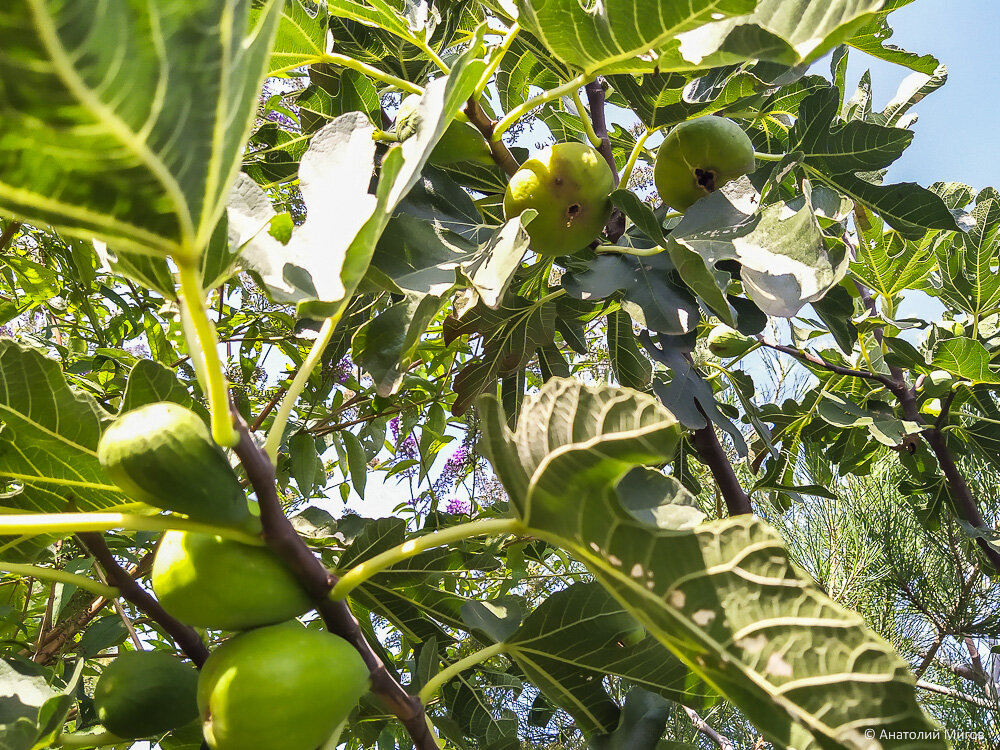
(522, 109)
(206, 342)
(281, 536)
(428, 691)
(365, 570)
(185, 637)
(379, 75)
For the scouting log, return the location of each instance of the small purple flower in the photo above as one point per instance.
(457, 506)
(394, 426)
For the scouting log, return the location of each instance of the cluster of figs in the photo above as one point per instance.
(276, 684)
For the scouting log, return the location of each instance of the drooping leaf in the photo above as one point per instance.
(329, 254)
(724, 596)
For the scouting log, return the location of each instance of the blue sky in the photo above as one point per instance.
(958, 129)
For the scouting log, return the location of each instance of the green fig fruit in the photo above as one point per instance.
(211, 582)
(698, 157)
(568, 184)
(145, 694)
(281, 687)
(163, 454)
(727, 342)
(461, 141)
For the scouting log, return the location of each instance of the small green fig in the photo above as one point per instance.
(698, 157)
(281, 687)
(211, 582)
(146, 693)
(568, 184)
(461, 141)
(937, 383)
(727, 342)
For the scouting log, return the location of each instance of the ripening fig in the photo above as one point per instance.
(568, 184)
(698, 157)
(727, 342)
(281, 687)
(211, 582)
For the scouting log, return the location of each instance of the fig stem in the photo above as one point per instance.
(615, 250)
(298, 385)
(365, 570)
(522, 109)
(205, 343)
(33, 524)
(344, 61)
(88, 739)
(435, 683)
(60, 576)
(498, 55)
(768, 157)
(588, 126)
(634, 157)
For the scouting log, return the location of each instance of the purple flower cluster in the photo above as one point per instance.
(457, 506)
(405, 449)
(342, 370)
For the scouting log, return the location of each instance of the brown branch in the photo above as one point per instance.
(268, 408)
(281, 536)
(814, 359)
(615, 227)
(501, 154)
(713, 455)
(186, 638)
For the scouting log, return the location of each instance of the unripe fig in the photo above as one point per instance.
(937, 383)
(568, 184)
(727, 342)
(163, 454)
(145, 694)
(211, 582)
(282, 687)
(698, 157)
(462, 141)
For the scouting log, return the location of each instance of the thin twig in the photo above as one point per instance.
(703, 727)
(951, 693)
(814, 359)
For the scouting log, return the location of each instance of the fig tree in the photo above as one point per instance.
(698, 157)
(568, 184)
(281, 687)
(726, 342)
(162, 454)
(145, 694)
(211, 582)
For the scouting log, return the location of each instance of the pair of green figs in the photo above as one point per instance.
(569, 184)
(275, 686)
